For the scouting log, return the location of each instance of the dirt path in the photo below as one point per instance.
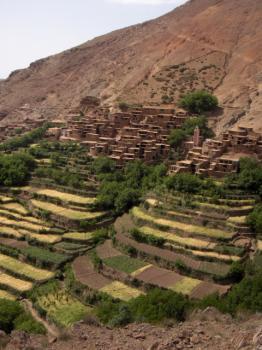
(52, 331)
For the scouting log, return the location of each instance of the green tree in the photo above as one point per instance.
(184, 183)
(254, 219)
(15, 169)
(103, 165)
(177, 137)
(199, 102)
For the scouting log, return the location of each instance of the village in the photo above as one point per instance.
(142, 133)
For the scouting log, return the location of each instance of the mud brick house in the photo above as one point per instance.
(219, 157)
(140, 133)
(20, 127)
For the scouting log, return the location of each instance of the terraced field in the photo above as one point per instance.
(24, 270)
(63, 196)
(173, 237)
(173, 249)
(15, 207)
(86, 274)
(150, 274)
(62, 308)
(15, 284)
(65, 212)
(187, 228)
(5, 295)
(78, 236)
(119, 290)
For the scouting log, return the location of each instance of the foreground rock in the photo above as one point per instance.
(205, 330)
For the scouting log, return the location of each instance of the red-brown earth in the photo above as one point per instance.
(211, 44)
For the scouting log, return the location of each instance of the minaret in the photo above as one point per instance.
(196, 137)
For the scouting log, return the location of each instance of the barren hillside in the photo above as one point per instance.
(211, 44)
(207, 330)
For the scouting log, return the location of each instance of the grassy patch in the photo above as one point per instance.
(5, 199)
(218, 256)
(191, 229)
(186, 285)
(223, 207)
(119, 290)
(9, 231)
(79, 236)
(67, 197)
(63, 308)
(68, 213)
(23, 224)
(23, 269)
(184, 241)
(45, 256)
(69, 246)
(124, 263)
(237, 219)
(5, 295)
(43, 238)
(15, 283)
(16, 207)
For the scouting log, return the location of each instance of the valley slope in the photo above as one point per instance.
(211, 44)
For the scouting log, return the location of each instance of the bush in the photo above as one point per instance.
(184, 183)
(158, 305)
(150, 239)
(254, 219)
(178, 136)
(103, 165)
(26, 323)
(13, 316)
(199, 102)
(250, 175)
(15, 169)
(247, 295)
(123, 106)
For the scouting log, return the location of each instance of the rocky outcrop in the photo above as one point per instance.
(206, 329)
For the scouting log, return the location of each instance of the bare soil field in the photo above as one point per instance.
(85, 274)
(107, 250)
(13, 243)
(159, 277)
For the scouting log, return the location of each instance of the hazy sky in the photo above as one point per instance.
(33, 29)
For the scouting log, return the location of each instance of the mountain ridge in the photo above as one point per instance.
(204, 44)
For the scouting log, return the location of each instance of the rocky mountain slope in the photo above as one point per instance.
(211, 44)
(205, 330)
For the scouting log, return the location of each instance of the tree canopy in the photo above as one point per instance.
(15, 169)
(199, 102)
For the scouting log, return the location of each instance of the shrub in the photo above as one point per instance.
(13, 316)
(199, 102)
(26, 323)
(15, 169)
(247, 295)
(158, 305)
(184, 183)
(123, 106)
(254, 219)
(177, 137)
